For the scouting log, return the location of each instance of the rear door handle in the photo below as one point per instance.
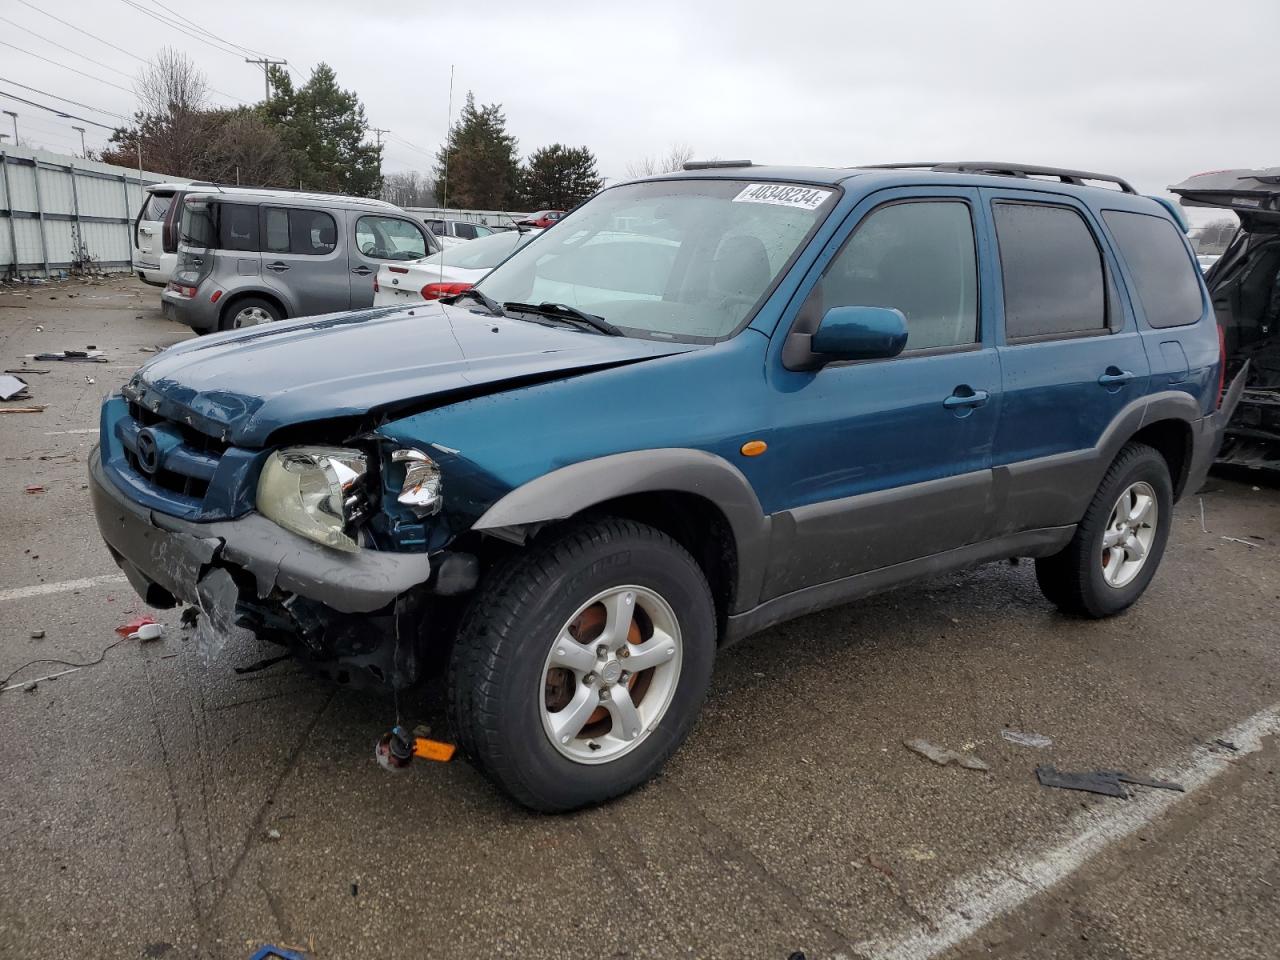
(278, 267)
(362, 271)
(965, 396)
(1115, 377)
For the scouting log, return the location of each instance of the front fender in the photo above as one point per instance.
(572, 489)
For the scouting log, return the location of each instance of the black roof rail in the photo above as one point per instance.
(1002, 169)
(714, 164)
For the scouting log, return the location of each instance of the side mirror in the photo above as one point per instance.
(859, 333)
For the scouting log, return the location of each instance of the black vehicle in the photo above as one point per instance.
(1245, 286)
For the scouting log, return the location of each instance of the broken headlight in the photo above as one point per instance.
(316, 492)
(421, 491)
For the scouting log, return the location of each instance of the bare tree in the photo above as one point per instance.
(1215, 234)
(408, 189)
(171, 84)
(677, 156)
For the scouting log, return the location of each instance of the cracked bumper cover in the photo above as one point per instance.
(154, 548)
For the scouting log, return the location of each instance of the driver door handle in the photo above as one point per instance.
(966, 397)
(361, 271)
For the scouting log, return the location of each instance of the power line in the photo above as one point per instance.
(64, 66)
(206, 31)
(70, 116)
(180, 27)
(392, 135)
(77, 53)
(128, 53)
(77, 103)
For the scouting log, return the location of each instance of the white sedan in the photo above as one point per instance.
(443, 274)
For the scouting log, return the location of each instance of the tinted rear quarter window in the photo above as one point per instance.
(238, 227)
(157, 206)
(1052, 267)
(1162, 271)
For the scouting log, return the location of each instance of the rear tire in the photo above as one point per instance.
(248, 312)
(1118, 545)
(544, 650)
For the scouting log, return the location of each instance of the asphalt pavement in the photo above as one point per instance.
(153, 805)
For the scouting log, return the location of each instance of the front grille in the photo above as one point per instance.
(192, 437)
(186, 458)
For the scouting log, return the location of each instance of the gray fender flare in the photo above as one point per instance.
(572, 489)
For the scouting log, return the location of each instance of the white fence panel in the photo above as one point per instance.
(59, 212)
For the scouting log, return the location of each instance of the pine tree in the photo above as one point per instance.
(559, 177)
(478, 166)
(325, 129)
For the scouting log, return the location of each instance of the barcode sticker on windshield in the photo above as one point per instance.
(783, 195)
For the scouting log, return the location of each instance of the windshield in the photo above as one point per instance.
(674, 259)
(483, 253)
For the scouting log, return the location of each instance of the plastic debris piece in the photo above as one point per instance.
(148, 631)
(1226, 744)
(13, 388)
(277, 953)
(1039, 741)
(942, 756)
(37, 634)
(133, 626)
(35, 488)
(433, 750)
(30, 686)
(272, 834)
(1108, 783)
(90, 380)
(218, 595)
(190, 616)
(1247, 543)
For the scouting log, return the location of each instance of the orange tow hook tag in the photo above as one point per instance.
(433, 749)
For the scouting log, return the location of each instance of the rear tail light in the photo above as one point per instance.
(434, 291)
(376, 288)
(182, 290)
(1222, 364)
(398, 269)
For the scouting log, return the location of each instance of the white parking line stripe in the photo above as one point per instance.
(61, 433)
(41, 589)
(976, 900)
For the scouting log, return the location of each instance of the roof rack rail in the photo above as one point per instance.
(1002, 169)
(714, 164)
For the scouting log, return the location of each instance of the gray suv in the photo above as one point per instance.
(252, 256)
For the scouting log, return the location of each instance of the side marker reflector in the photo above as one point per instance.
(753, 448)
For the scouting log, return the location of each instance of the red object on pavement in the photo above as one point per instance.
(133, 626)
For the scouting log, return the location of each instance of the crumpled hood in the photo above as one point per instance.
(242, 386)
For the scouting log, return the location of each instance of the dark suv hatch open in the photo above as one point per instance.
(1245, 287)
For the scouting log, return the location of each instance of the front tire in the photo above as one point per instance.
(582, 663)
(1118, 545)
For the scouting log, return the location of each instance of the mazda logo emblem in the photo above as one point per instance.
(148, 452)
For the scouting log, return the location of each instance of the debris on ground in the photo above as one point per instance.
(271, 952)
(148, 631)
(942, 756)
(1039, 741)
(878, 864)
(30, 686)
(263, 664)
(70, 356)
(13, 388)
(272, 834)
(34, 488)
(190, 616)
(39, 408)
(1108, 783)
(1226, 744)
(1247, 543)
(25, 370)
(90, 380)
(37, 634)
(133, 626)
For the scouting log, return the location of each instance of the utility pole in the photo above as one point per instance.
(10, 113)
(84, 153)
(266, 65)
(378, 132)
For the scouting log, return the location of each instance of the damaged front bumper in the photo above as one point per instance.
(343, 608)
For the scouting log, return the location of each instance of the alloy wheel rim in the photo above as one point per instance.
(610, 675)
(1130, 532)
(251, 317)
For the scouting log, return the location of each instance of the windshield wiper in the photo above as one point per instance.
(487, 301)
(562, 311)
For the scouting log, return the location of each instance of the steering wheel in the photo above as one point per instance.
(368, 249)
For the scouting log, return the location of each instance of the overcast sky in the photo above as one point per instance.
(1150, 91)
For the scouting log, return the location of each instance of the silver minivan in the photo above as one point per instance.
(252, 256)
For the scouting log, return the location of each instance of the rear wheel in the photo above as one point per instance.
(248, 312)
(582, 664)
(1118, 545)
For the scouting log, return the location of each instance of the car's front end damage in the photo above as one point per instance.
(260, 477)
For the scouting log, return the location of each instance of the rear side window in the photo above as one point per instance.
(157, 206)
(238, 227)
(917, 257)
(1154, 251)
(1053, 277)
(311, 233)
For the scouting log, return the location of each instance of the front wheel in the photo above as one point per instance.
(1118, 545)
(582, 664)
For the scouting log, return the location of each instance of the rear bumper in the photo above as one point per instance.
(196, 312)
(159, 551)
(1208, 434)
